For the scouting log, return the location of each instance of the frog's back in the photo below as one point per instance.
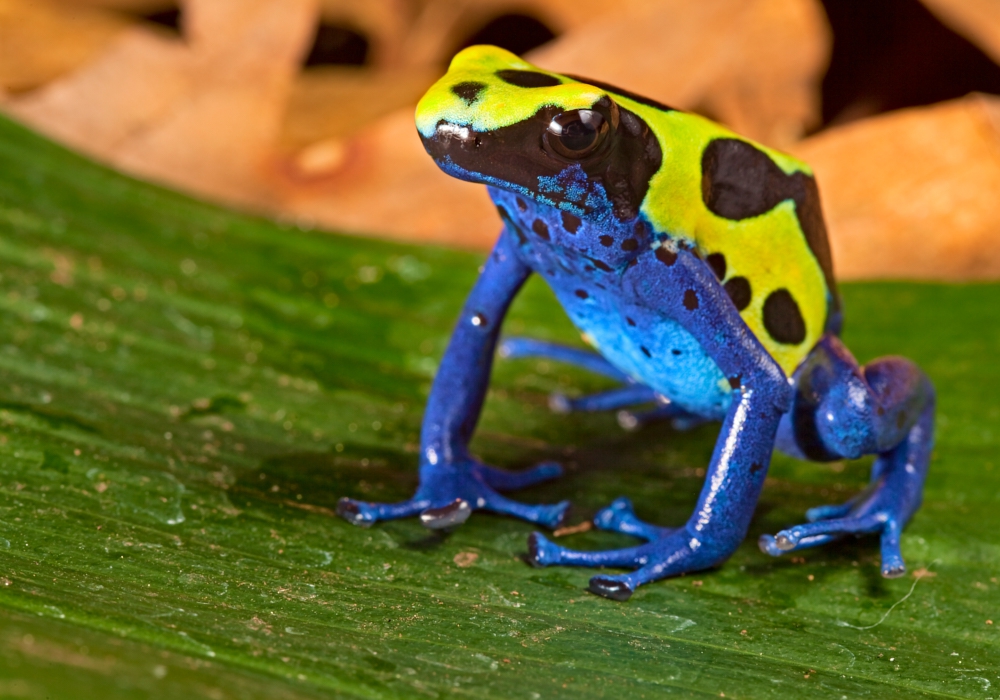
(754, 214)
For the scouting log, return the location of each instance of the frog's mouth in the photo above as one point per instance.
(513, 158)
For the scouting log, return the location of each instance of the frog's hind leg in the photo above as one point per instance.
(842, 410)
(514, 348)
(624, 397)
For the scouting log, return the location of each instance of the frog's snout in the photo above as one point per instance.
(448, 137)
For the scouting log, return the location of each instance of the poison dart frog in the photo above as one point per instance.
(696, 263)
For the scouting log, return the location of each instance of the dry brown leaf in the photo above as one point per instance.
(913, 194)
(41, 40)
(754, 65)
(977, 20)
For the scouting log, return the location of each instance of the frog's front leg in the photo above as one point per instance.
(842, 410)
(680, 286)
(452, 482)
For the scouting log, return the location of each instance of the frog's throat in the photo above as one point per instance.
(512, 158)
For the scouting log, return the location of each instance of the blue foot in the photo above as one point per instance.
(667, 552)
(449, 500)
(865, 518)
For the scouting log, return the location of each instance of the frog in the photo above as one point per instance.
(696, 264)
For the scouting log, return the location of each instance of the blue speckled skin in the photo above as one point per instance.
(666, 328)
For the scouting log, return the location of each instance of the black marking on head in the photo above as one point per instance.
(717, 261)
(540, 228)
(630, 245)
(645, 351)
(606, 240)
(624, 93)
(666, 256)
(570, 222)
(468, 91)
(618, 172)
(739, 181)
(629, 321)
(736, 382)
(527, 78)
(782, 318)
(756, 467)
(581, 293)
(690, 300)
(521, 204)
(738, 289)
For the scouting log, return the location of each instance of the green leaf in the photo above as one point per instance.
(185, 393)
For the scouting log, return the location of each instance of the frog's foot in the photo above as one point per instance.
(823, 531)
(881, 509)
(662, 555)
(448, 502)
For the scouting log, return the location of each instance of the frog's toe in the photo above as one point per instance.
(365, 514)
(821, 532)
(620, 517)
(451, 515)
(503, 480)
(550, 516)
(613, 587)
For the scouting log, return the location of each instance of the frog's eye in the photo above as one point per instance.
(576, 134)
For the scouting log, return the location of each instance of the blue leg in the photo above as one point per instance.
(681, 287)
(452, 482)
(630, 395)
(842, 410)
(514, 348)
(605, 401)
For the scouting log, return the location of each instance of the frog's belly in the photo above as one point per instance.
(655, 351)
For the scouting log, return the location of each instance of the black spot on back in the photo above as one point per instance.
(624, 93)
(629, 245)
(527, 78)
(606, 240)
(739, 181)
(521, 204)
(666, 256)
(629, 321)
(782, 318)
(690, 300)
(645, 351)
(717, 261)
(601, 265)
(581, 293)
(468, 91)
(570, 222)
(540, 228)
(738, 289)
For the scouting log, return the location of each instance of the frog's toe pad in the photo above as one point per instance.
(541, 552)
(609, 587)
(355, 512)
(451, 515)
(893, 570)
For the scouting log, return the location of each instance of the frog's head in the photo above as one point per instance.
(498, 120)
